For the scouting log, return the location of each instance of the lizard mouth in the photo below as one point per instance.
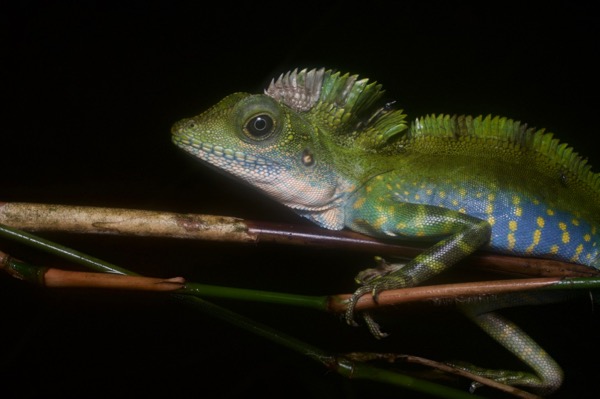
(231, 161)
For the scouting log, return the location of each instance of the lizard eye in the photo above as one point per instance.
(259, 126)
(258, 119)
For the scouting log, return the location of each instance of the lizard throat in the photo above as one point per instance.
(318, 202)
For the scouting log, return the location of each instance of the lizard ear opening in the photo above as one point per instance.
(308, 158)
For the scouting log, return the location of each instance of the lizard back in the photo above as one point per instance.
(539, 196)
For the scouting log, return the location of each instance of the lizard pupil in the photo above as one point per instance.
(259, 126)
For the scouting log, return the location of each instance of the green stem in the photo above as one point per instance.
(307, 301)
(578, 283)
(342, 365)
(61, 251)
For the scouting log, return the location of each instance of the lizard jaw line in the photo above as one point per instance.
(210, 152)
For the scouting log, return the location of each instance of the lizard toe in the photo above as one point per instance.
(350, 308)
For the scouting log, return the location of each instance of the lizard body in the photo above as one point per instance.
(317, 142)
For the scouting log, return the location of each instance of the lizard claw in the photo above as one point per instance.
(369, 321)
(352, 304)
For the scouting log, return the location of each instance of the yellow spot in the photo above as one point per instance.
(389, 186)
(511, 241)
(516, 200)
(442, 194)
(489, 208)
(537, 234)
(369, 189)
(575, 222)
(491, 197)
(381, 220)
(550, 212)
(462, 210)
(465, 247)
(578, 251)
(478, 195)
(417, 197)
(540, 222)
(536, 237)
(492, 220)
(407, 193)
(379, 177)
(429, 192)
(398, 185)
(554, 249)
(512, 225)
(378, 208)
(455, 202)
(562, 226)
(518, 211)
(359, 203)
(401, 226)
(587, 238)
(536, 202)
(565, 237)
(462, 192)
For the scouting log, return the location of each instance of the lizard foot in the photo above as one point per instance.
(371, 324)
(382, 269)
(350, 308)
(374, 289)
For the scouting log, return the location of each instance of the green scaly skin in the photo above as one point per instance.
(318, 142)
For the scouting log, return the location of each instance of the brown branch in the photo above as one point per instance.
(337, 303)
(131, 222)
(58, 278)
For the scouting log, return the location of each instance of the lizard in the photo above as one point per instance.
(324, 143)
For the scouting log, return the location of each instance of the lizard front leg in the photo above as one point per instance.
(459, 234)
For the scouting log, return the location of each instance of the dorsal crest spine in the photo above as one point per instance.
(505, 131)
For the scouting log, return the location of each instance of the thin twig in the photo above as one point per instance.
(393, 357)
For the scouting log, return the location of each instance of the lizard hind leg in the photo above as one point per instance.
(547, 375)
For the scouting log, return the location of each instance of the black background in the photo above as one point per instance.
(90, 90)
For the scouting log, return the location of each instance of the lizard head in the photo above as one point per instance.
(293, 142)
(269, 146)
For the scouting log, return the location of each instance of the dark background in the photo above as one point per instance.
(90, 90)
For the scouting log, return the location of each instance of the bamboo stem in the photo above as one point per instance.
(341, 365)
